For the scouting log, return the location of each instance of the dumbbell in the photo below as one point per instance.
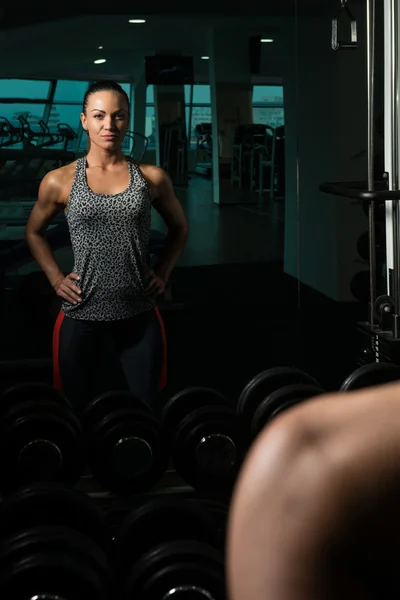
(206, 438)
(217, 510)
(169, 545)
(376, 373)
(126, 444)
(53, 544)
(271, 392)
(41, 438)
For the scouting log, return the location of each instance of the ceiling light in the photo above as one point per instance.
(205, 58)
(100, 48)
(266, 40)
(100, 61)
(137, 20)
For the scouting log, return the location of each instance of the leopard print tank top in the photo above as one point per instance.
(109, 236)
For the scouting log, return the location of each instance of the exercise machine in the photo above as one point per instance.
(10, 132)
(253, 159)
(139, 144)
(21, 170)
(381, 332)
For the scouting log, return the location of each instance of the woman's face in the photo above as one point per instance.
(106, 119)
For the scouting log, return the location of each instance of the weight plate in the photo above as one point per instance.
(208, 447)
(40, 408)
(177, 567)
(50, 575)
(37, 540)
(51, 504)
(41, 448)
(263, 384)
(128, 451)
(108, 403)
(31, 391)
(187, 400)
(276, 400)
(162, 519)
(370, 375)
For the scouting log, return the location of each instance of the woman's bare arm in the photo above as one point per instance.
(168, 206)
(48, 205)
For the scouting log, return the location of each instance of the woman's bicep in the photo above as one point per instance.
(48, 205)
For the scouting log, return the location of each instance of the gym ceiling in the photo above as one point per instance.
(34, 13)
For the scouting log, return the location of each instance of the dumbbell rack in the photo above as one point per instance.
(170, 486)
(114, 512)
(170, 483)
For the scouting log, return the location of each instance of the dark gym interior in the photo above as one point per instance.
(274, 273)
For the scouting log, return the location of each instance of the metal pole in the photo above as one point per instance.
(395, 156)
(371, 210)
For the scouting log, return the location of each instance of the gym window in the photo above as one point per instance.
(268, 106)
(24, 98)
(24, 88)
(51, 102)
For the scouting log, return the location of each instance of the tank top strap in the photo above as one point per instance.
(137, 175)
(80, 171)
(132, 171)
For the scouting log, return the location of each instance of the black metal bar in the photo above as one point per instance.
(359, 191)
(371, 138)
(24, 101)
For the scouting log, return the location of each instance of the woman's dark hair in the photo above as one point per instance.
(103, 86)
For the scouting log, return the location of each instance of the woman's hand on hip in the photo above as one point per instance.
(155, 285)
(66, 289)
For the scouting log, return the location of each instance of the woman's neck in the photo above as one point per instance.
(102, 158)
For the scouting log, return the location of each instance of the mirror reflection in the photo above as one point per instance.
(143, 221)
(218, 133)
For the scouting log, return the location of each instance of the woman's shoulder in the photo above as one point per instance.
(151, 173)
(60, 179)
(63, 174)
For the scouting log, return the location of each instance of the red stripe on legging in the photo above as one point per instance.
(56, 344)
(163, 375)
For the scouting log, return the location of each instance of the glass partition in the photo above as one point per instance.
(239, 269)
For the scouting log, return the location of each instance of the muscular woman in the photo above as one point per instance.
(109, 298)
(315, 514)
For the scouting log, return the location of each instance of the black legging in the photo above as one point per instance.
(91, 357)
